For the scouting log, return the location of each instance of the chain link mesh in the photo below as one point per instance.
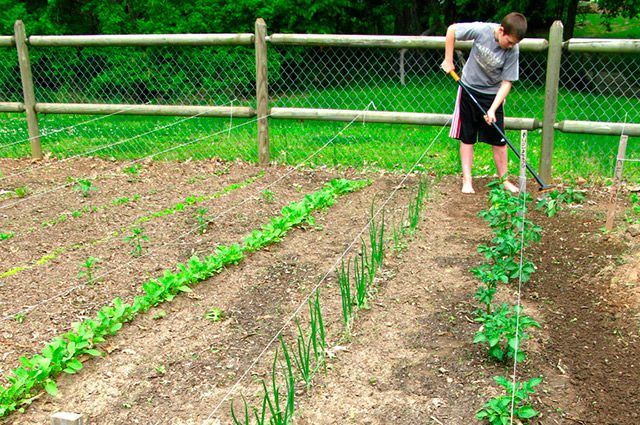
(594, 87)
(10, 84)
(135, 75)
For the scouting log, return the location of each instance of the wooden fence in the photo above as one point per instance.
(554, 47)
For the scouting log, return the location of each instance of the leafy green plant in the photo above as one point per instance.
(6, 235)
(553, 201)
(214, 314)
(499, 331)
(84, 186)
(633, 213)
(497, 411)
(19, 317)
(135, 239)
(132, 170)
(21, 191)
(87, 270)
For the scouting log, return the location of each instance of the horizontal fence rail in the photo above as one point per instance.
(141, 40)
(595, 45)
(387, 41)
(588, 86)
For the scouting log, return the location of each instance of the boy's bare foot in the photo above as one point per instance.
(510, 187)
(467, 188)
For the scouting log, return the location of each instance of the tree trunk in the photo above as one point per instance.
(570, 23)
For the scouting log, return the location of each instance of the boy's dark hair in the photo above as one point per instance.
(515, 24)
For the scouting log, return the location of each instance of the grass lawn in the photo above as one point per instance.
(336, 144)
(590, 26)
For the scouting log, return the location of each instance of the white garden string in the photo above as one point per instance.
(194, 229)
(523, 193)
(331, 269)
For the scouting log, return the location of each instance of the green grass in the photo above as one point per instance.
(591, 26)
(364, 146)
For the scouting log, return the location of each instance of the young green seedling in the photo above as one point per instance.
(214, 314)
(345, 294)
(267, 196)
(202, 220)
(84, 186)
(87, 269)
(136, 239)
(318, 336)
(133, 170)
(21, 191)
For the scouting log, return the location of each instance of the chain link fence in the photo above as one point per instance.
(593, 87)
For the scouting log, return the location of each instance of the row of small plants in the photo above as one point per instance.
(85, 187)
(504, 328)
(134, 233)
(296, 363)
(65, 353)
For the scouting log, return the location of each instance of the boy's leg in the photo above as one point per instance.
(500, 159)
(466, 158)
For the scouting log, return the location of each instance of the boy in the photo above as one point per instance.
(489, 72)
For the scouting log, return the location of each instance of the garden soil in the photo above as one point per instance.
(410, 358)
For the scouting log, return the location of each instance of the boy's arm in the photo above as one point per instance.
(449, 41)
(499, 99)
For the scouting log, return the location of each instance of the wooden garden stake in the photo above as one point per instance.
(523, 161)
(617, 178)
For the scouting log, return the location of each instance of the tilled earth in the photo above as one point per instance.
(410, 359)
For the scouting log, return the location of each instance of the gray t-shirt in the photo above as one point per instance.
(488, 64)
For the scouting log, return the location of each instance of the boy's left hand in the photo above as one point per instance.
(490, 117)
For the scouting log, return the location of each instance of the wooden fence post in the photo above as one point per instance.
(611, 211)
(262, 91)
(551, 99)
(27, 89)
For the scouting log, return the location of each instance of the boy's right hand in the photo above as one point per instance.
(448, 66)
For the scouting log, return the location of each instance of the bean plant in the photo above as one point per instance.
(504, 332)
(84, 186)
(498, 410)
(553, 201)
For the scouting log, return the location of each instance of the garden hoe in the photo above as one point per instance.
(543, 187)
